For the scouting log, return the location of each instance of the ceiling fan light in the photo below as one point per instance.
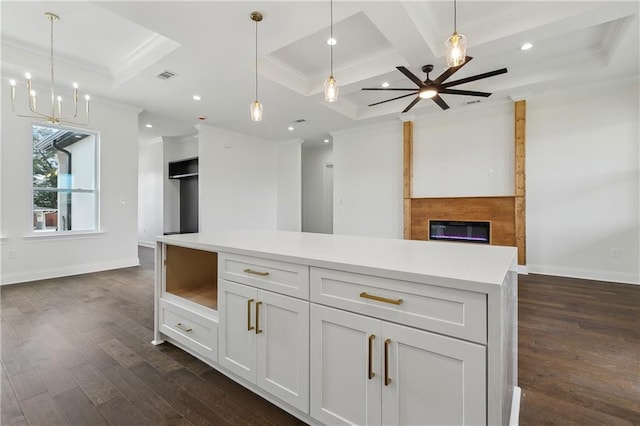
(331, 89)
(456, 49)
(256, 111)
(428, 93)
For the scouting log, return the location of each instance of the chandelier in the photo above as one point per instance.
(55, 117)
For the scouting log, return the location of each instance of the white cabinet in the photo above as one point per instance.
(370, 372)
(348, 330)
(264, 339)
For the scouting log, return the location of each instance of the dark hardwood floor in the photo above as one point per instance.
(76, 351)
(579, 352)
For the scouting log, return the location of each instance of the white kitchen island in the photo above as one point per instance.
(348, 330)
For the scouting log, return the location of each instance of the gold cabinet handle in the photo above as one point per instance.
(258, 331)
(371, 373)
(183, 328)
(249, 326)
(366, 295)
(260, 273)
(387, 379)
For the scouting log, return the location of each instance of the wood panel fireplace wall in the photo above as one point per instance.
(506, 214)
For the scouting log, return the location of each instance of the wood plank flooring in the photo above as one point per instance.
(579, 352)
(76, 351)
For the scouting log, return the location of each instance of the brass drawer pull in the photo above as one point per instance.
(371, 373)
(183, 328)
(365, 295)
(258, 331)
(387, 379)
(260, 273)
(249, 326)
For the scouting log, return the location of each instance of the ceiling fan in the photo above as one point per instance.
(432, 89)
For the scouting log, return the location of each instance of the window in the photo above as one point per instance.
(65, 195)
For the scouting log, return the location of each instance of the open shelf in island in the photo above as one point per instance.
(192, 275)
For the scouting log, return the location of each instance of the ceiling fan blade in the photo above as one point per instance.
(475, 77)
(411, 76)
(449, 72)
(464, 92)
(415, 101)
(392, 99)
(386, 88)
(441, 103)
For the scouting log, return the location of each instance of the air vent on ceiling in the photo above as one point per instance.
(473, 102)
(166, 75)
(300, 120)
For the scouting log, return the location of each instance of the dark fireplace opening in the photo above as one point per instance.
(463, 231)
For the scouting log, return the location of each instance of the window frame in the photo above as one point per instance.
(96, 191)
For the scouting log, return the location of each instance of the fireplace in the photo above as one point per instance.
(462, 231)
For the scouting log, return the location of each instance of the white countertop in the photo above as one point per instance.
(422, 261)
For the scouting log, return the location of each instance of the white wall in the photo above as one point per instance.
(314, 157)
(238, 181)
(582, 184)
(26, 258)
(289, 169)
(464, 153)
(367, 181)
(150, 193)
(582, 173)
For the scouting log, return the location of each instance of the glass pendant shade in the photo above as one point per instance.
(331, 89)
(256, 111)
(456, 49)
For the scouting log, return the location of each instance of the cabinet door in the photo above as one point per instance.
(342, 391)
(283, 348)
(433, 379)
(237, 338)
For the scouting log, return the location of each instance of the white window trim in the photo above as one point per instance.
(66, 234)
(62, 235)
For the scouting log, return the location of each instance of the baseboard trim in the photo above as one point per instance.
(523, 270)
(514, 417)
(150, 244)
(21, 277)
(587, 274)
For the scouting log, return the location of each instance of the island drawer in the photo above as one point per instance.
(447, 311)
(190, 329)
(286, 278)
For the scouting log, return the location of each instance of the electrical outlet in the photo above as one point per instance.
(493, 172)
(12, 254)
(615, 252)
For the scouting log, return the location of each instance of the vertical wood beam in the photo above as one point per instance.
(520, 118)
(407, 131)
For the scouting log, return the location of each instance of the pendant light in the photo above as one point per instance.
(456, 44)
(256, 107)
(331, 86)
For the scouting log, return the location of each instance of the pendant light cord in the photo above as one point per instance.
(455, 17)
(256, 61)
(53, 94)
(331, 36)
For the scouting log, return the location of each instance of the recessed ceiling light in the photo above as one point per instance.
(526, 46)
(290, 127)
(326, 141)
(196, 97)
(148, 125)
(332, 41)
(385, 84)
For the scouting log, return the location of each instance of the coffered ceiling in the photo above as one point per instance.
(115, 50)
